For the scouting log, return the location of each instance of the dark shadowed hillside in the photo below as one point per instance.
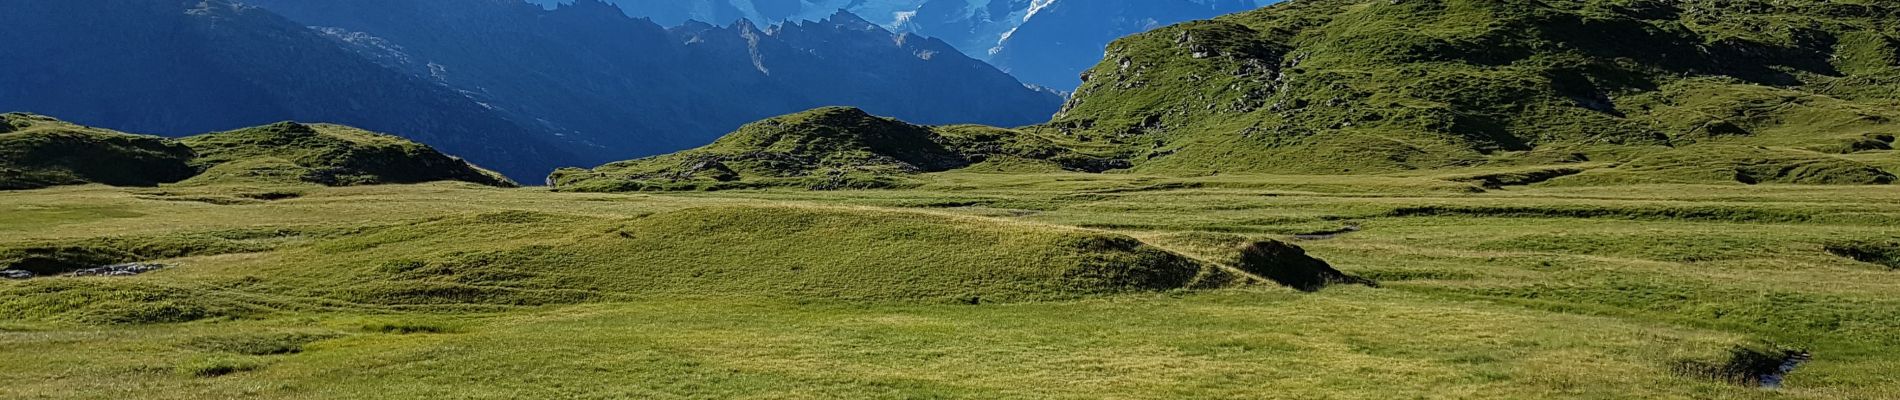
(39, 151)
(179, 67)
(507, 84)
(627, 86)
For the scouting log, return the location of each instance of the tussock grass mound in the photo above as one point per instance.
(826, 148)
(38, 151)
(1742, 164)
(1750, 365)
(333, 155)
(1289, 266)
(115, 301)
(1265, 261)
(1883, 253)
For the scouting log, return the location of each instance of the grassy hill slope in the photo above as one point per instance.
(515, 258)
(38, 151)
(825, 148)
(1364, 86)
(460, 290)
(326, 154)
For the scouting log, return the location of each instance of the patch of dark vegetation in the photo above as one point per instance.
(212, 200)
(947, 203)
(1885, 253)
(1682, 213)
(115, 256)
(408, 327)
(259, 344)
(1519, 178)
(1290, 266)
(1126, 263)
(242, 198)
(1854, 146)
(511, 217)
(217, 366)
(1328, 234)
(1391, 275)
(50, 260)
(1151, 188)
(437, 291)
(1758, 366)
(270, 196)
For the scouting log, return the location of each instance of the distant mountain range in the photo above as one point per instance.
(1494, 93)
(1045, 42)
(511, 86)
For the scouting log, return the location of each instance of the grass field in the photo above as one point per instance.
(465, 291)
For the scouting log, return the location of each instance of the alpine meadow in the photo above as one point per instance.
(1303, 199)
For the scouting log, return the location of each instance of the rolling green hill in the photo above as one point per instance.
(1661, 290)
(332, 155)
(1707, 91)
(38, 151)
(827, 148)
(515, 258)
(1352, 199)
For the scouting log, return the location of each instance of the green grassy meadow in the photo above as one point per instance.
(455, 290)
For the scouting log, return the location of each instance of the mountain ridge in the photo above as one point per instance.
(508, 84)
(224, 64)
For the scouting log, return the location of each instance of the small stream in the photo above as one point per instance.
(1773, 380)
(127, 269)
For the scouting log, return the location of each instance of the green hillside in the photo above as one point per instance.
(1321, 199)
(829, 148)
(514, 258)
(38, 151)
(333, 155)
(972, 285)
(1365, 86)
